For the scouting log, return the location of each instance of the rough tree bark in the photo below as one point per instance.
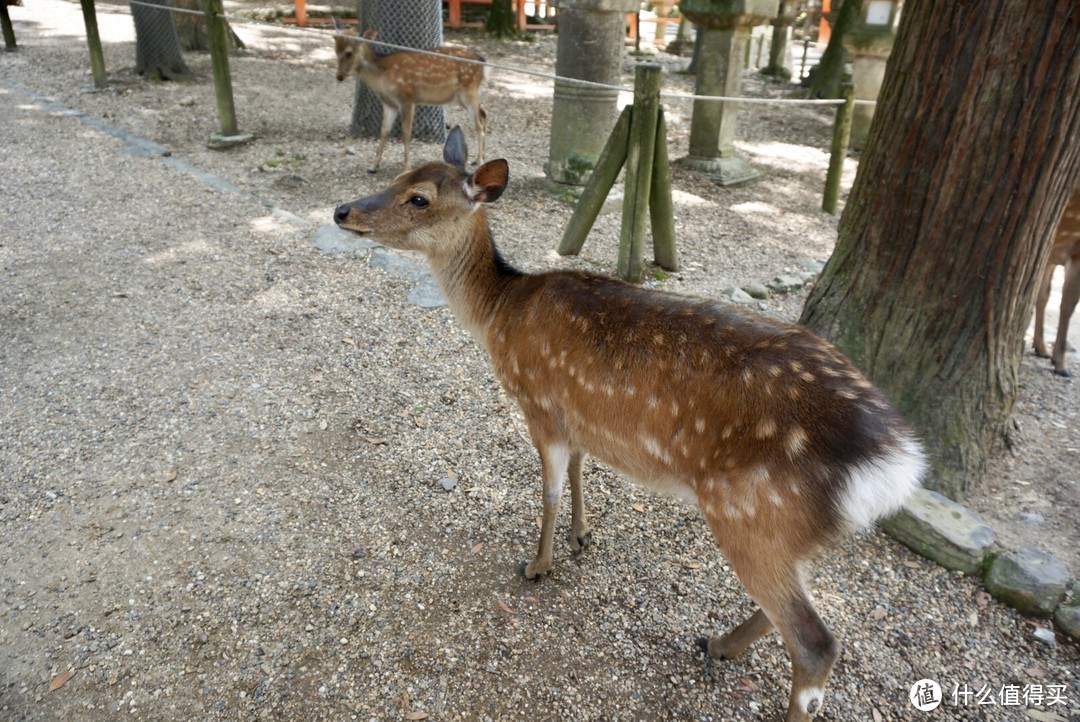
(157, 48)
(829, 72)
(500, 20)
(974, 148)
(191, 27)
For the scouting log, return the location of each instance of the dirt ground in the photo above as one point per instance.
(241, 478)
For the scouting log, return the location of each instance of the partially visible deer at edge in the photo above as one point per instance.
(783, 444)
(1066, 252)
(405, 79)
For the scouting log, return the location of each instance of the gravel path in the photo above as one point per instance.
(225, 454)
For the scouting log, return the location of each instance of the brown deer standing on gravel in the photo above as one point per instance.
(1066, 252)
(403, 80)
(779, 439)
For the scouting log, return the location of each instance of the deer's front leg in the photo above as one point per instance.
(406, 130)
(389, 115)
(554, 460)
(580, 533)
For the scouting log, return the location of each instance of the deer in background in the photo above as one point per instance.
(782, 443)
(404, 79)
(1066, 252)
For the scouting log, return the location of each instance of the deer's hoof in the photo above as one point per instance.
(1064, 373)
(580, 543)
(530, 571)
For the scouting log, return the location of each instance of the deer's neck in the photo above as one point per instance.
(472, 275)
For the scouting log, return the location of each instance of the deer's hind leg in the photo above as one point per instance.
(770, 571)
(580, 533)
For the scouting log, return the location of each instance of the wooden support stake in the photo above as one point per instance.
(93, 40)
(9, 29)
(639, 167)
(597, 187)
(840, 140)
(661, 210)
(219, 54)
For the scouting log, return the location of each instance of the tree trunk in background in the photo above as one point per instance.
(968, 167)
(500, 21)
(830, 69)
(191, 28)
(157, 48)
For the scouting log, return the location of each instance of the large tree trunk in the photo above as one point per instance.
(973, 151)
(829, 72)
(157, 48)
(191, 27)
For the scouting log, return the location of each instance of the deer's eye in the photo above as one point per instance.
(419, 202)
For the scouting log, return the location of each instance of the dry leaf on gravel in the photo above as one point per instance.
(60, 680)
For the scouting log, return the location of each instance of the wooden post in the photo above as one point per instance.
(300, 13)
(661, 210)
(597, 187)
(841, 138)
(93, 40)
(639, 167)
(9, 29)
(219, 54)
(802, 65)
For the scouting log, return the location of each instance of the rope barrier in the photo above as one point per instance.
(670, 95)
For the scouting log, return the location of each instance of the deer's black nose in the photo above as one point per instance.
(340, 213)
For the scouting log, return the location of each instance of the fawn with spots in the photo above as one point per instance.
(1066, 252)
(781, 442)
(404, 79)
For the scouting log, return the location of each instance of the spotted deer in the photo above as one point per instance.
(405, 79)
(782, 443)
(1066, 252)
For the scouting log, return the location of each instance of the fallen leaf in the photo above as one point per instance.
(747, 685)
(406, 704)
(689, 565)
(1036, 672)
(912, 565)
(539, 522)
(374, 441)
(477, 547)
(532, 600)
(348, 341)
(637, 507)
(878, 614)
(416, 715)
(503, 606)
(60, 680)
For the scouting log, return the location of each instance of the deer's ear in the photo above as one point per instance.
(370, 34)
(337, 24)
(488, 182)
(454, 151)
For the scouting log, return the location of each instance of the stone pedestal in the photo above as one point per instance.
(869, 43)
(724, 33)
(778, 50)
(591, 34)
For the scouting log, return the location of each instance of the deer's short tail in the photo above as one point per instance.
(878, 486)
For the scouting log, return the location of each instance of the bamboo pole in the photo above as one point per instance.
(597, 187)
(639, 167)
(219, 53)
(93, 40)
(661, 210)
(840, 140)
